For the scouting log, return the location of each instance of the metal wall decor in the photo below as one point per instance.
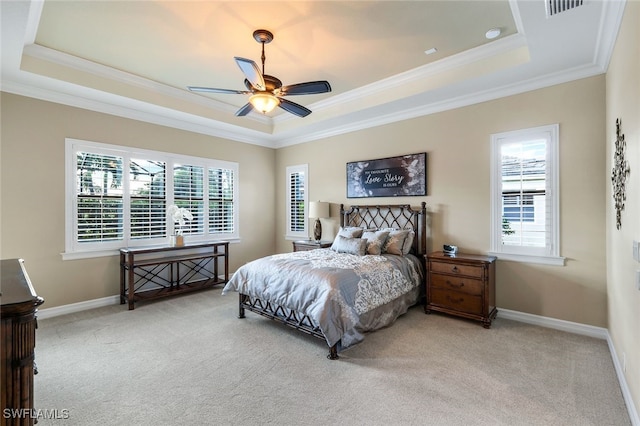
(388, 177)
(619, 173)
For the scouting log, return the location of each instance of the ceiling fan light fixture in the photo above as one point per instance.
(264, 102)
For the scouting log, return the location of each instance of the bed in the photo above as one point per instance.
(364, 282)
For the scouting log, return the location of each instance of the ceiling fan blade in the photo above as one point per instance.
(244, 110)
(309, 88)
(294, 108)
(251, 72)
(213, 90)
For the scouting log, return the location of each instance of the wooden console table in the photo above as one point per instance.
(151, 273)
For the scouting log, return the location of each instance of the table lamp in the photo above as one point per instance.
(318, 210)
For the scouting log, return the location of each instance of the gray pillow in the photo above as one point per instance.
(375, 241)
(348, 232)
(356, 246)
(396, 242)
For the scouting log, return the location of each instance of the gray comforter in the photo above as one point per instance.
(343, 294)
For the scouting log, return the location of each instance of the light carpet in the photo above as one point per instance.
(189, 360)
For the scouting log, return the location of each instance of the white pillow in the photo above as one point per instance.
(356, 246)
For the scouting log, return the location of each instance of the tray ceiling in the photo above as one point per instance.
(135, 58)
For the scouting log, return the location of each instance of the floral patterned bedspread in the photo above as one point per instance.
(344, 294)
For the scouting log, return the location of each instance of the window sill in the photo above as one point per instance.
(522, 258)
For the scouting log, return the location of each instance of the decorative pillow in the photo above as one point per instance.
(348, 232)
(396, 240)
(356, 246)
(408, 242)
(375, 241)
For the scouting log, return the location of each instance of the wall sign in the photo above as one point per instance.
(388, 177)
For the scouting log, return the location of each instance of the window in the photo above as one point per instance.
(524, 193)
(297, 202)
(118, 197)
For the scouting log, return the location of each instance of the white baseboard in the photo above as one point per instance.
(77, 307)
(568, 326)
(557, 324)
(626, 393)
(586, 330)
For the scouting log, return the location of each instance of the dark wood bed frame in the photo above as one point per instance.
(400, 216)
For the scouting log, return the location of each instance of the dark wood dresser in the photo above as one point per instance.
(462, 285)
(18, 306)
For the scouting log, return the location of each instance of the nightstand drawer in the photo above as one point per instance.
(457, 301)
(459, 284)
(457, 269)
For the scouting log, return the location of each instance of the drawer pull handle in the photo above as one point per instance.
(455, 285)
(452, 300)
(455, 269)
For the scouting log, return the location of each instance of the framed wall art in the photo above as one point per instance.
(402, 176)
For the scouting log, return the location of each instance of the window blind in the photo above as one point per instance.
(99, 197)
(147, 190)
(221, 201)
(523, 192)
(188, 192)
(297, 202)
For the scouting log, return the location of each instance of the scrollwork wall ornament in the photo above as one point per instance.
(619, 173)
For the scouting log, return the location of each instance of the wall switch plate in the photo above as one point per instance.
(636, 251)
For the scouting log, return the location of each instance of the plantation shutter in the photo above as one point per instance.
(221, 201)
(99, 197)
(525, 190)
(297, 201)
(188, 192)
(147, 190)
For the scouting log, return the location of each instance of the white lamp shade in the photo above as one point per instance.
(318, 209)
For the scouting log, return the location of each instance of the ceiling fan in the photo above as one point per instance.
(266, 90)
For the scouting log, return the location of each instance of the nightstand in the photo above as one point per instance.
(310, 245)
(462, 285)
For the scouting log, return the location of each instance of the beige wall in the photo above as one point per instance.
(623, 102)
(33, 198)
(458, 185)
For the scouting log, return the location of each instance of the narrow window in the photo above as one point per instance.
(297, 201)
(524, 187)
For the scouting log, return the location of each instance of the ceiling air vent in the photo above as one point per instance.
(557, 6)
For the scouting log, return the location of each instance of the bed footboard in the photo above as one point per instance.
(286, 316)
